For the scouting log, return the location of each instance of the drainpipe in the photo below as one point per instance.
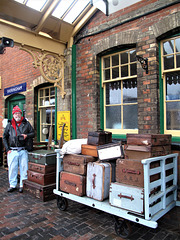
(73, 77)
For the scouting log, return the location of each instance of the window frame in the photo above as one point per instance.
(119, 133)
(175, 133)
(42, 107)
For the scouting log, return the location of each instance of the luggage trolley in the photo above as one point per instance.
(163, 199)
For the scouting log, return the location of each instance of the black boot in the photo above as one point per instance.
(11, 189)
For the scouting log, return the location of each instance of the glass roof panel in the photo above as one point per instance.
(62, 8)
(76, 10)
(67, 10)
(37, 5)
(20, 1)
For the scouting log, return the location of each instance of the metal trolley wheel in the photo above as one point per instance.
(122, 227)
(62, 203)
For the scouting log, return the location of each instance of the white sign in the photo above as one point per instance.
(112, 6)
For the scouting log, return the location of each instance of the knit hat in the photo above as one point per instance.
(16, 109)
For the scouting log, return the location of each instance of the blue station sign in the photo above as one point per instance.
(15, 89)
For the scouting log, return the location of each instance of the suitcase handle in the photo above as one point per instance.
(73, 163)
(131, 171)
(70, 183)
(36, 158)
(93, 181)
(124, 196)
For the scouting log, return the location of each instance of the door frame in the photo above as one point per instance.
(16, 99)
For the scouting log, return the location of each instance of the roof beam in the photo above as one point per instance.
(22, 36)
(84, 20)
(50, 9)
(81, 23)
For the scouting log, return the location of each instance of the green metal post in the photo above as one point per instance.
(74, 130)
(55, 130)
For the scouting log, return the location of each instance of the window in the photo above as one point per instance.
(170, 50)
(46, 99)
(119, 81)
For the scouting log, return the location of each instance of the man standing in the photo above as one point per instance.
(15, 139)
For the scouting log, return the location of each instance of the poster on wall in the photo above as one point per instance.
(63, 117)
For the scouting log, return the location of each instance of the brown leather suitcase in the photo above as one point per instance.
(148, 139)
(89, 150)
(131, 172)
(41, 168)
(40, 178)
(99, 137)
(73, 183)
(45, 193)
(143, 152)
(76, 163)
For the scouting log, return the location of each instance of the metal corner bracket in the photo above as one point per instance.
(51, 66)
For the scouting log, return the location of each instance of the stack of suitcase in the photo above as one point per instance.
(73, 176)
(128, 190)
(94, 140)
(99, 174)
(142, 146)
(41, 174)
(82, 174)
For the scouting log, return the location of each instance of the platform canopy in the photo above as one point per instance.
(30, 22)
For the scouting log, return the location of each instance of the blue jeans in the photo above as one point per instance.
(17, 159)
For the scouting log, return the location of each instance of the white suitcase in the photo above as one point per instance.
(127, 197)
(110, 151)
(98, 180)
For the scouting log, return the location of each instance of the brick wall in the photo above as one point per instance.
(16, 68)
(103, 33)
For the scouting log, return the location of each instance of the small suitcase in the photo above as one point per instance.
(110, 151)
(131, 172)
(127, 197)
(89, 150)
(41, 168)
(76, 163)
(99, 137)
(148, 139)
(73, 183)
(45, 193)
(42, 156)
(143, 152)
(98, 180)
(40, 178)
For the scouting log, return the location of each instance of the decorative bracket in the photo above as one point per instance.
(143, 62)
(51, 67)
